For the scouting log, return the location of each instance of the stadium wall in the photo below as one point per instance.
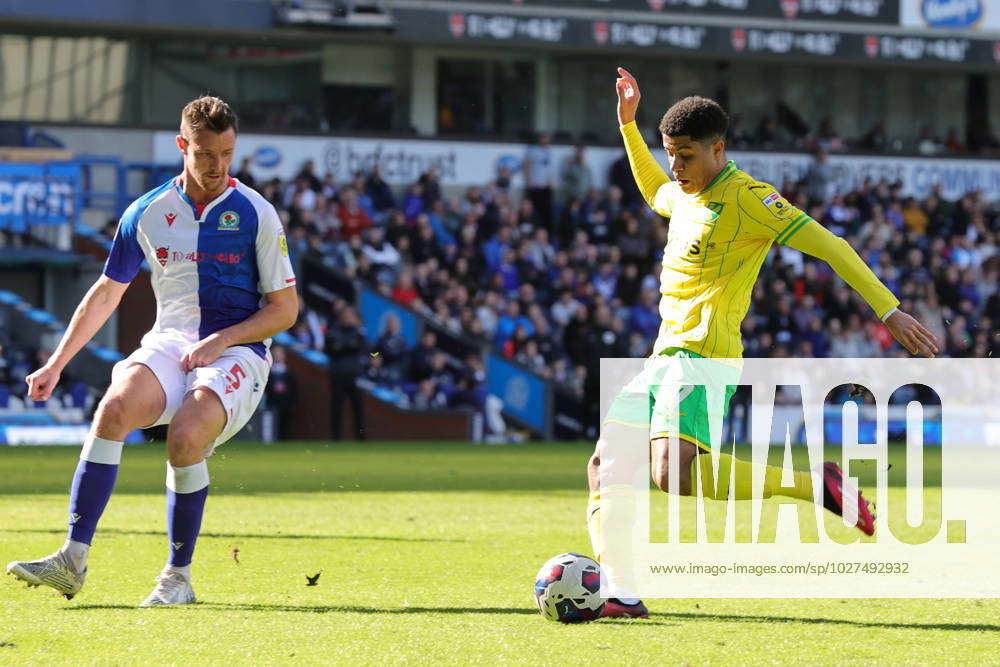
(465, 163)
(310, 416)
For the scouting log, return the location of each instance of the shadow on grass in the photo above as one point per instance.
(326, 609)
(657, 619)
(250, 536)
(739, 618)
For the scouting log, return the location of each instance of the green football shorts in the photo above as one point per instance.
(644, 401)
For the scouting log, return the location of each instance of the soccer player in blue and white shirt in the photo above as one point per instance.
(223, 286)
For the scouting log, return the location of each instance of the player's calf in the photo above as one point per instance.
(661, 460)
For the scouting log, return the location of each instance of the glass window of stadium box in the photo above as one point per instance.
(585, 95)
(66, 79)
(365, 87)
(850, 108)
(274, 87)
(476, 96)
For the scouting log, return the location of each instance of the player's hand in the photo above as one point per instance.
(43, 382)
(912, 334)
(628, 96)
(203, 353)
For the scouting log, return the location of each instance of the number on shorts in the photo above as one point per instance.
(237, 373)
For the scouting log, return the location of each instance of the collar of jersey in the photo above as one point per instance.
(723, 175)
(179, 186)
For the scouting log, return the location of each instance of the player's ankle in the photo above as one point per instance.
(76, 553)
(183, 570)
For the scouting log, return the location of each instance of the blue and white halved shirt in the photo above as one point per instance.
(211, 264)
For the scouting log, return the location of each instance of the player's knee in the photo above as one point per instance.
(113, 412)
(660, 474)
(595, 459)
(185, 445)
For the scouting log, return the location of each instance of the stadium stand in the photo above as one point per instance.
(486, 268)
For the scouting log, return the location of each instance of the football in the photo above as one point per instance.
(567, 589)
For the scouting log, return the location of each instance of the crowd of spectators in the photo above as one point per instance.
(569, 273)
(17, 361)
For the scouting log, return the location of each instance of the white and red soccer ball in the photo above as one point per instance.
(568, 589)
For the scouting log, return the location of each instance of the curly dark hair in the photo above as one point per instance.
(697, 117)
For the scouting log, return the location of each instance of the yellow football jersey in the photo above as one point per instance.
(716, 243)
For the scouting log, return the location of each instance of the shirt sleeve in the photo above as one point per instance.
(272, 253)
(814, 239)
(764, 212)
(653, 182)
(125, 258)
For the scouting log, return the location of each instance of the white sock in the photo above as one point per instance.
(629, 601)
(77, 553)
(187, 479)
(101, 450)
(184, 570)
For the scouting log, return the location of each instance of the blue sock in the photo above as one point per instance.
(187, 489)
(93, 483)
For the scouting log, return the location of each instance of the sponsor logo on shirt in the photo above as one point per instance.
(777, 205)
(223, 257)
(170, 218)
(716, 209)
(229, 222)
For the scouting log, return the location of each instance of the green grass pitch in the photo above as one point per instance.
(428, 554)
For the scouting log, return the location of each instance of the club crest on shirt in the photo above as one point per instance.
(716, 209)
(777, 205)
(229, 222)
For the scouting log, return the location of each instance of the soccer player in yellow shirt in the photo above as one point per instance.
(722, 225)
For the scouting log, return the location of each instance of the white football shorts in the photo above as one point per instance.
(238, 378)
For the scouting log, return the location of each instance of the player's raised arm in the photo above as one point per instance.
(814, 239)
(648, 173)
(94, 310)
(628, 97)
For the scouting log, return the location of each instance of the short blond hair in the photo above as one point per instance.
(208, 113)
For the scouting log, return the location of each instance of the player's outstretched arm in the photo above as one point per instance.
(814, 239)
(648, 173)
(277, 315)
(94, 310)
